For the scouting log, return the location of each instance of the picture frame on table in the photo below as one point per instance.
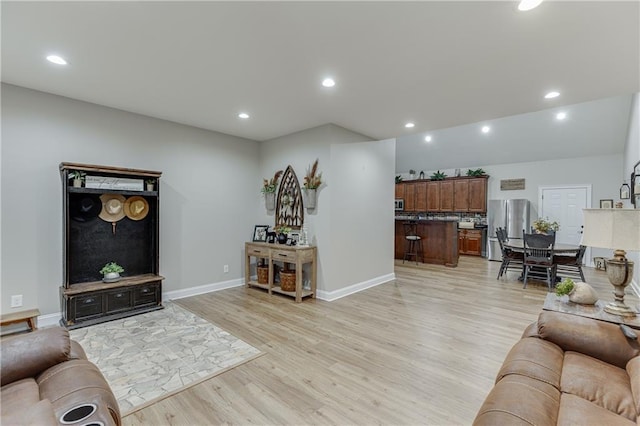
(260, 233)
(606, 204)
(294, 238)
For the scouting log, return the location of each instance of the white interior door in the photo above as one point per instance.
(564, 205)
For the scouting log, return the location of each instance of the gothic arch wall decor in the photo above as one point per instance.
(289, 209)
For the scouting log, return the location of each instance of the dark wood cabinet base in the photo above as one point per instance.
(439, 241)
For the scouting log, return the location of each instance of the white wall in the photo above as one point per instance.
(300, 150)
(362, 229)
(205, 213)
(631, 157)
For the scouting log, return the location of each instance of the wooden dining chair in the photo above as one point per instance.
(570, 266)
(538, 255)
(510, 259)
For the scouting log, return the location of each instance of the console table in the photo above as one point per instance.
(285, 254)
(562, 304)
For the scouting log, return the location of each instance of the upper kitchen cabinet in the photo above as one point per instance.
(433, 196)
(446, 196)
(400, 191)
(415, 196)
(409, 197)
(461, 195)
(478, 195)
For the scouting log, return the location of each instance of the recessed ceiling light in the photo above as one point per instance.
(409, 125)
(56, 60)
(561, 115)
(528, 5)
(243, 115)
(486, 129)
(427, 139)
(552, 95)
(328, 82)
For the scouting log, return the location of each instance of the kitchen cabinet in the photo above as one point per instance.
(409, 197)
(433, 196)
(446, 195)
(470, 242)
(478, 195)
(400, 191)
(461, 195)
(421, 196)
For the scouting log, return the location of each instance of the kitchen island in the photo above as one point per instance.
(439, 241)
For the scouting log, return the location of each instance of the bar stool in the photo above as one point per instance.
(413, 246)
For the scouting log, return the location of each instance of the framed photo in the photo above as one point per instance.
(294, 238)
(260, 233)
(606, 204)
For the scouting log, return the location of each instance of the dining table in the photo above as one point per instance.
(517, 244)
(561, 249)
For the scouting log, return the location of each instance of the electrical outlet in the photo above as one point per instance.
(226, 269)
(16, 301)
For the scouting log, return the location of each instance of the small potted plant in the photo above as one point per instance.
(111, 272)
(476, 172)
(438, 175)
(544, 226)
(312, 181)
(578, 292)
(150, 184)
(269, 187)
(78, 178)
(283, 232)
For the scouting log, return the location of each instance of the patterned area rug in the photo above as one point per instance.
(149, 357)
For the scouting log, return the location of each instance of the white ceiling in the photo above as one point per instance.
(439, 64)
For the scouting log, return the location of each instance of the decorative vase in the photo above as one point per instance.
(282, 238)
(150, 187)
(310, 197)
(77, 183)
(111, 277)
(583, 294)
(270, 200)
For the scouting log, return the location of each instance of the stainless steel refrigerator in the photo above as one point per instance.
(513, 215)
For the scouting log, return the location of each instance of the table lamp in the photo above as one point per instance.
(617, 229)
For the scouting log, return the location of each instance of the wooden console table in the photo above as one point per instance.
(286, 254)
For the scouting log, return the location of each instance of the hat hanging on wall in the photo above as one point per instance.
(112, 209)
(136, 207)
(85, 208)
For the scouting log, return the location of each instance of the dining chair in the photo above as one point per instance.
(571, 266)
(510, 259)
(538, 255)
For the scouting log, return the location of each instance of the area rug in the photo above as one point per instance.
(149, 357)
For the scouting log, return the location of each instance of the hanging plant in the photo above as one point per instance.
(269, 186)
(313, 179)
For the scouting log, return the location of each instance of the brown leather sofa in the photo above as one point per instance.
(567, 370)
(47, 380)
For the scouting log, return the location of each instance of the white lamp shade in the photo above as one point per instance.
(617, 229)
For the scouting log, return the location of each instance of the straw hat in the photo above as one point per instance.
(136, 207)
(85, 208)
(112, 207)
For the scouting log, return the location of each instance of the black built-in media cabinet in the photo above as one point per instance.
(90, 242)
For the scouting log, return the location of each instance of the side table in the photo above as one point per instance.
(562, 304)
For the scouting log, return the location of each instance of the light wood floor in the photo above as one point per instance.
(423, 349)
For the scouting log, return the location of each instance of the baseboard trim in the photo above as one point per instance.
(202, 289)
(330, 296)
(49, 320)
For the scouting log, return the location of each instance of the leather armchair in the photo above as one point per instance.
(567, 369)
(45, 375)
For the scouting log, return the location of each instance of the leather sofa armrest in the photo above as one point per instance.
(599, 339)
(27, 355)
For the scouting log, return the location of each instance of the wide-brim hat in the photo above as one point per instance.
(112, 207)
(84, 208)
(136, 207)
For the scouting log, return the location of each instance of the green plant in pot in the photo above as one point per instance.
(283, 233)
(544, 225)
(476, 172)
(438, 175)
(565, 287)
(78, 177)
(111, 272)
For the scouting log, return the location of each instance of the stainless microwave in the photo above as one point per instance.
(399, 204)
